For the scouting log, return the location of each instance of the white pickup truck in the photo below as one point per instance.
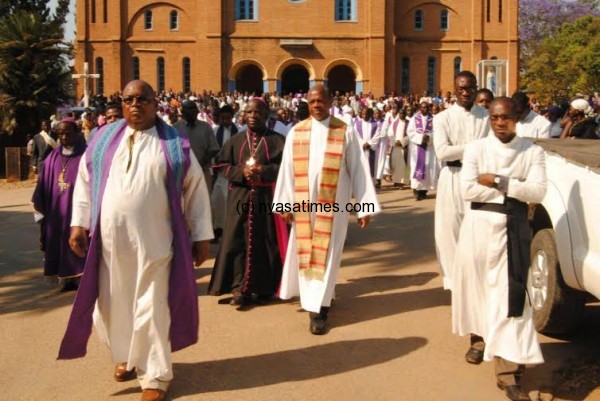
(565, 251)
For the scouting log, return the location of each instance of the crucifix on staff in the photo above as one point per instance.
(86, 76)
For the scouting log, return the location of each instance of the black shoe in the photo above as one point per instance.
(514, 392)
(261, 299)
(318, 321)
(70, 285)
(318, 325)
(474, 356)
(240, 300)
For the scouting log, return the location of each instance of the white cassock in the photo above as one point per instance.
(394, 129)
(355, 180)
(365, 134)
(132, 312)
(432, 169)
(454, 128)
(379, 142)
(480, 275)
(534, 126)
(218, 195)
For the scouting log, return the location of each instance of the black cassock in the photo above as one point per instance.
(249, 258)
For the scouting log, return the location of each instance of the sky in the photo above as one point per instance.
(70, 25)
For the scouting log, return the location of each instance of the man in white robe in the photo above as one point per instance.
(132, 314)
(354, 181)
(500, 174)
(531, 124)
(454, 128)
(423, 173)
(394, 127)
(379, 142)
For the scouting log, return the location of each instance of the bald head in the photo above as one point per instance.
(319, 102)
(140, 86)
(139, 105)
(503, 118)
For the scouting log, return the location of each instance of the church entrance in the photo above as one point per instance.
(250, 79)
(294, 79)
(341, 78)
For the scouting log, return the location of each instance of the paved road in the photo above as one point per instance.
(390, 333)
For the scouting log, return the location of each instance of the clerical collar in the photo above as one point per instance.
(324, 122)
(67, 151)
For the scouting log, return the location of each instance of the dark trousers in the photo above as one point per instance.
(507, 373)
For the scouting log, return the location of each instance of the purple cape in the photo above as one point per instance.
(420, 167)
(183, 298)
(56, 206)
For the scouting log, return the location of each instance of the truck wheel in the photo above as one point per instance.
(557, 309)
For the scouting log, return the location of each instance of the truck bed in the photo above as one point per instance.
(581, 151)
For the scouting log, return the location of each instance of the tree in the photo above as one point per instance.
(568, 62)
(539, 19)
(34, 77)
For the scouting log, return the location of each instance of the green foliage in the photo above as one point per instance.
(34, 77)
(568, 62)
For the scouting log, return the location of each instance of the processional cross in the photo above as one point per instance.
(86, 76)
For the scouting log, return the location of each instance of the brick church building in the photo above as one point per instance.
(288, 45)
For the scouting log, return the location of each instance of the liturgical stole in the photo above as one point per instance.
(313, 242)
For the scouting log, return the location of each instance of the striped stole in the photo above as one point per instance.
(313, 242)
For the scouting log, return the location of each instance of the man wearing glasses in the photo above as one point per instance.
(454, 128)
(142, 196)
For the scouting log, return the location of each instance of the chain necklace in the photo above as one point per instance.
(62, 185)
(252, 160)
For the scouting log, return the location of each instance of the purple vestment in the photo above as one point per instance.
(420, 166)
(56, 206)
(183, 301)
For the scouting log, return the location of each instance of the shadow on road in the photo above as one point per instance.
(572, 369)
(22, 285)
(286, 366)
(361, 309)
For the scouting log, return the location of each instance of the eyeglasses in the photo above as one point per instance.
(143, 100)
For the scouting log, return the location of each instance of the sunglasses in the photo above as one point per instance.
(129, 100)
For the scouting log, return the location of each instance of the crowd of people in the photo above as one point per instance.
(133, 191)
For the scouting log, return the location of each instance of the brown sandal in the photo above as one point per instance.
(122, 374)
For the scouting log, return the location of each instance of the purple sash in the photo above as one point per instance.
(422, 148)
(183, 301)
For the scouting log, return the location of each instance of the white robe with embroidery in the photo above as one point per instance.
(354, 181)
(132, 312)
(480, 274)
(454, 128)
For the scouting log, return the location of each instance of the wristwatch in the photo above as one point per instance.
(496, 181)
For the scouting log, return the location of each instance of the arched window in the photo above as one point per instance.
(93, 11)
(345, 10)
(499, 10)
(100, 81)
(419, 20)
(136, 68)
(431, 73)
(148, 20)
(405, 75)
(457, 65)
(444, 20)
(187, 74)
(174, 20)
(160, 74)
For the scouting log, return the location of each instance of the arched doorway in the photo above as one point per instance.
(249, 79)
(341, 78)
(294, 79)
